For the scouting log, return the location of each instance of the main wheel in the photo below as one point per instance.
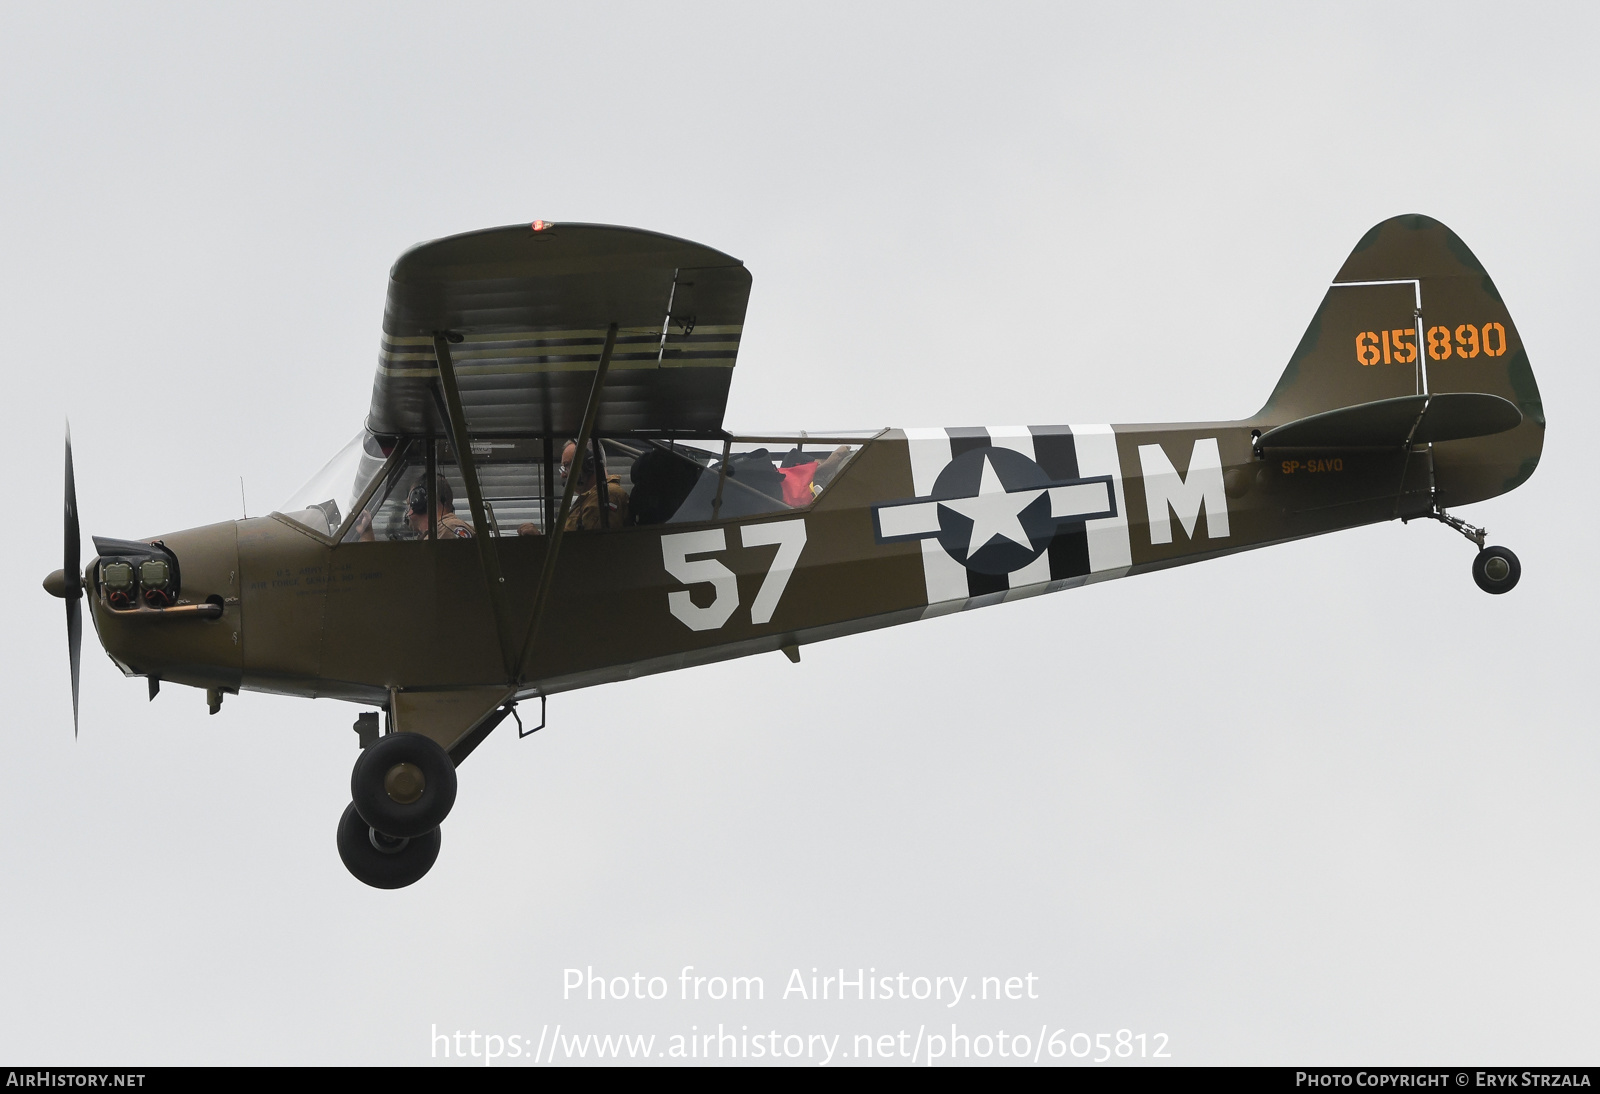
(384, 862)
(1496, 570)
(404, 784)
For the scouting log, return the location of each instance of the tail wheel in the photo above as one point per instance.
(384, 862)
(1496, 570)
(403, 785)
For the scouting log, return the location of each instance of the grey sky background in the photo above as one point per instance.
(1324, 803)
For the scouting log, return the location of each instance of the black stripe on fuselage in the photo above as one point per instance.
(964, 439)
(1056, 452)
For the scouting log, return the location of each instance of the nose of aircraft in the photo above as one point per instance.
(169, 608)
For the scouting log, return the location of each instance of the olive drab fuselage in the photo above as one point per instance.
(918, 522)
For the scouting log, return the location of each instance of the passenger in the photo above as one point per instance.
(449, 525)
(588, 513)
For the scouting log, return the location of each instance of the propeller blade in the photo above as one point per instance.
(70, 568)
(74, 644)
(73, 580)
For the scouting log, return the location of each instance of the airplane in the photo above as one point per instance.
(543, 498)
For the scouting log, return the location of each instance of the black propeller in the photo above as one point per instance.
(72, 581)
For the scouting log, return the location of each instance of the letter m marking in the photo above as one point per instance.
(1184, 495)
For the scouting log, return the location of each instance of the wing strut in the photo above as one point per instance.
(457, 421)
(574, 473)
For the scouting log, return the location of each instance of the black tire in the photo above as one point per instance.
(402, 818)
(1496, 570)
(380, 861)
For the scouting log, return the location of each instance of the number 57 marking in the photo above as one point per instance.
(789, 535)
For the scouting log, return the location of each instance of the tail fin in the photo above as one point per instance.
(1412, 311)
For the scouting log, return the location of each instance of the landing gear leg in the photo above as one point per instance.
(1496, 569)
(384, 862)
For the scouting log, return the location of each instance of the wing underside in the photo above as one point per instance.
(526, 314)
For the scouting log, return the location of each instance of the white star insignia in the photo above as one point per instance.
(994, 512)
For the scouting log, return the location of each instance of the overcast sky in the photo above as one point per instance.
(1324, 803)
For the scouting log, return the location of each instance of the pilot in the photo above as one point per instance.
(588, 513)
(449, 525)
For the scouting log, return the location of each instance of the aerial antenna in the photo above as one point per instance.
(242, 507)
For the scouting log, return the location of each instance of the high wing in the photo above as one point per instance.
(526, 309)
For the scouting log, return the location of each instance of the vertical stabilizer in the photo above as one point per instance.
(1412, 311)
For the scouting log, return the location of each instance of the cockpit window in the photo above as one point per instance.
(663, 478)
(511, 475)
(329, 496)
(648, 481)
(677, 483)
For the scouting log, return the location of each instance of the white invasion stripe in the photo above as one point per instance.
(1109, 546)
(1019, 438)
(930, 453)
(1080, 500)
(920, 518)
(1036, 572)
(947, 578)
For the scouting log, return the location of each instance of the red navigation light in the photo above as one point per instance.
(539, 225)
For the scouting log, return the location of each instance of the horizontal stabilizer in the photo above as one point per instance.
(1393, 423)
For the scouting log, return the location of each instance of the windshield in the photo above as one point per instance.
(329, 495)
